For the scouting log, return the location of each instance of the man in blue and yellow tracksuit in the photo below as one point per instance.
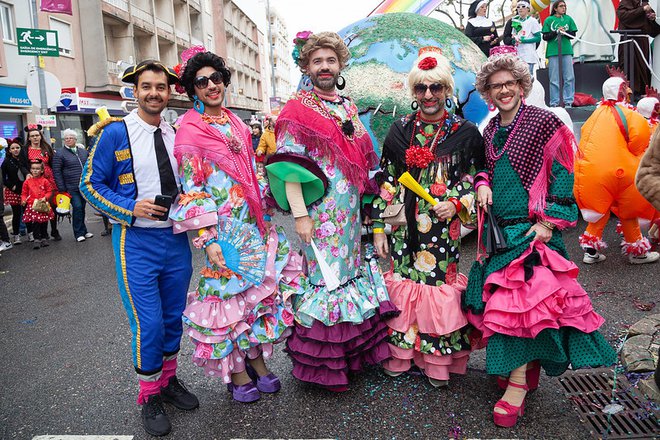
(132, 162)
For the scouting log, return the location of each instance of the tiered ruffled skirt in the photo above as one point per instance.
(536, 309)
(340, 332)
(431, 331)
(226, 328)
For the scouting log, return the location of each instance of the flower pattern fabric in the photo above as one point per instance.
(227, 317)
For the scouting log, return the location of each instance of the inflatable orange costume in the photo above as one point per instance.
(613, 140)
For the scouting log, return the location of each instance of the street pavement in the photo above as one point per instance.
(65, 365)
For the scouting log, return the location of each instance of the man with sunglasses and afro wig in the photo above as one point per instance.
(130, 176)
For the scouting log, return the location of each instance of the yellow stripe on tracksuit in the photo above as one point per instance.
(122, 257)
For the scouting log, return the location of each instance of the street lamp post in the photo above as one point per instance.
(40, 73)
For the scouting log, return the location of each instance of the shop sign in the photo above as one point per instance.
(14, 97)
(46, 120)
(68, 100)
(89, 102)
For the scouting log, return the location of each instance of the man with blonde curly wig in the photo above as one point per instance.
(320, 173)
(525, 297)
(442, 152)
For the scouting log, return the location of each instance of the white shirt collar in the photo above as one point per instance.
(142, 123)
(480, 21)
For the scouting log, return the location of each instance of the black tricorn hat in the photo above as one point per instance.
(130, 74)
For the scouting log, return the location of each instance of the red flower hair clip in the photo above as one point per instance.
(427, 63)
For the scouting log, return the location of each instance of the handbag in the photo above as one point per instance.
(495, 241)
(394, 214)
(40, 206)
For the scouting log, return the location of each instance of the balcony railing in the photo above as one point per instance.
(164, 25)
(142, 14)
(119, 4)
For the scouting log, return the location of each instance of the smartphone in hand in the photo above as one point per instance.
(165, 202)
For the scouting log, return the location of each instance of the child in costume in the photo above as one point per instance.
(36, 192)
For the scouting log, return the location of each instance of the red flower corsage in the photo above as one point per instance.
(427, 63)
(418, 157)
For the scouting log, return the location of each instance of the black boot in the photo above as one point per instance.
(53, 230)
(154, 417)
(178, 395)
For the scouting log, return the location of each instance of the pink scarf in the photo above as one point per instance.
(198, 138)
(306, 120)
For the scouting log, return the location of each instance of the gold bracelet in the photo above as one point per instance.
(547, 224)
(379, 230)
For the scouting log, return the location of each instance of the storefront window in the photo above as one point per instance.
(79, 123)
(11, 126)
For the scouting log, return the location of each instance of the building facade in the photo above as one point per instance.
(281, 86)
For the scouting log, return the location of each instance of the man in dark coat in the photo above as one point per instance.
(638, 14)
(67, 168)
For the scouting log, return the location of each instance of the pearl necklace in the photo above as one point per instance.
(490, 148)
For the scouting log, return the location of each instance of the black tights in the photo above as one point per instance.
(16, 212)
(39, 230)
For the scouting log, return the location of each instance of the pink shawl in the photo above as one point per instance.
(198, 138)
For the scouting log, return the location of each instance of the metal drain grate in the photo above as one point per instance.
(591, 392)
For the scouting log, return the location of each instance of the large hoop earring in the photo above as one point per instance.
(342, 84)
(414, 105)
(491, 106)
(306, 83)
(449, 103)
(198, 105)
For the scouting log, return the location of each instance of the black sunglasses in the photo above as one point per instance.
(435, 88)
(202, 82)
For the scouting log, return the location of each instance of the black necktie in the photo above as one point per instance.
(167, 180)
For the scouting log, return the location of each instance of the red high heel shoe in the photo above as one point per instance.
(510, 417)
(532, 376)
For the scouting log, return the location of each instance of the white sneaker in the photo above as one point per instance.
(89, 235)
(30, 236)
(5, 246)
(17, 239)
(591, 259)
(81, 238)
(648, 257)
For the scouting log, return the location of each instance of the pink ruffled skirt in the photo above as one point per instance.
(550, 298)
(429, 310)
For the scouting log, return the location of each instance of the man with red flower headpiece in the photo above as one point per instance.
(320, 173)
(442, 152)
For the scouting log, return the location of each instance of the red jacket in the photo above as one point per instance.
(36, 188)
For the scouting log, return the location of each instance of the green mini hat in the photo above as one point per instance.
(285, 167)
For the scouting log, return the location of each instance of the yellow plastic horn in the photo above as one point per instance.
(103, 113)
(409, 182)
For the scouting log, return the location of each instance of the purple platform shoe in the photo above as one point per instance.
(266, 384)
(244, 393)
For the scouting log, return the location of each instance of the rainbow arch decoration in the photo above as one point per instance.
(420, 7)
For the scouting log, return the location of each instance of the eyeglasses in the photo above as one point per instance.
(498, 86)
(435, 88)
(202, 82)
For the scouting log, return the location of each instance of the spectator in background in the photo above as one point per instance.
(524, 32)
(558, 22)
(67, 169)
(5, 242)
(14, 172)
(637, 15)
(480, 28)
(256, 135)
(267, 144)
(36, 148)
